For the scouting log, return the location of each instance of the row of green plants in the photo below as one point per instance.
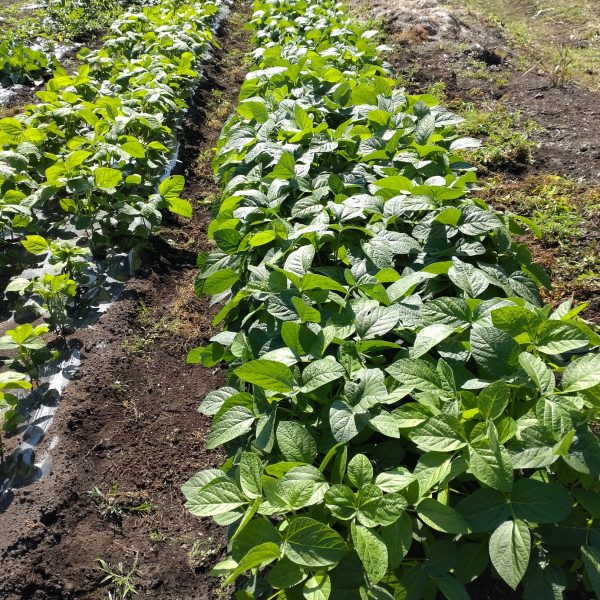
(404, 417)
(82, 172)
(57, 23)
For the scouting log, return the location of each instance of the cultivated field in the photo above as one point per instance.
(300, 300)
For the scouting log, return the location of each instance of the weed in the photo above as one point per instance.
(152, 330)
(557, 65)
(201, 551)
(157, 536)
(119, 387)
(120, 578)
(132, 409)
(507, 134)
(114, 506)
(565, 211)
(218, 107)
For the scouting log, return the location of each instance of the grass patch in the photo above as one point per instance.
(120, 578)
(568, 213)
(505, 134)
(115, 505)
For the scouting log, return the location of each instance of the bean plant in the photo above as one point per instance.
(83, 172)
(403, 414)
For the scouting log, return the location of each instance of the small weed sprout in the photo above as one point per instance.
(114, 506)
(120, 578)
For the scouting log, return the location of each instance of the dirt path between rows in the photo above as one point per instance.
(130, 420)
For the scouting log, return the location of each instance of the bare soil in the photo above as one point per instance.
(130, 418)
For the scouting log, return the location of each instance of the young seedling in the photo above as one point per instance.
(121, 578)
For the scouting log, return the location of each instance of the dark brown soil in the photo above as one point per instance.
(435, 44)
(130, 418)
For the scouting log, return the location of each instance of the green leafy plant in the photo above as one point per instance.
(20, 63)
(71, 259)
(52, 294)
(28, 343)
(403, 415)
(10, 382)
(90, 158)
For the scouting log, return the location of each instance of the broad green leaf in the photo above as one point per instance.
(311, 543)
(286, 167)
(468, 278)
(446, 310)
(232, 424)
(258, 531)
(582, 373)
(262, 237)
(134, 148)
(360, 471)
(35, 244)
(367, 389)
(171, 187)
(556, 337)
(319, 373)
(495, 351)
(254, 109)
(300, 260)
(441, 517)
(106, 178)
(341, 501)
(492, 466)
(424, 129)
(540, 374)
(286, 574)
(515, 320)
(376, 322)
(429, 337)
(345, 421)
(318, 587)
(493, 400)
(268, 374)
(260, 555)
(415, 372)
(199, 480)
(510, 546)
(217, 497)
(295, 442)
(250, 471)
(484, 509)
(540, 502)
(439, 434)
(216, 283)
(179, 206)
(307, 313)
(314, 281)
(371, 550)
